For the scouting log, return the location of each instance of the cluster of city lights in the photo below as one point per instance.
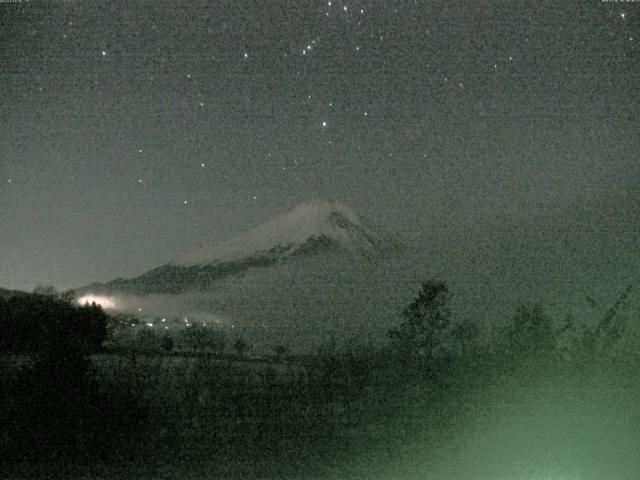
(112, 303)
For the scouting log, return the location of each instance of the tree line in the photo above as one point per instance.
(39, 323)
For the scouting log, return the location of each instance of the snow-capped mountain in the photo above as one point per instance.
(311, 229)
(307, 229)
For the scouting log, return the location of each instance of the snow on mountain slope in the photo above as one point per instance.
(313, 223)
(320, 229)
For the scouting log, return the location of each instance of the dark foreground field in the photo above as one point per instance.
(543, 401)
(340, 416)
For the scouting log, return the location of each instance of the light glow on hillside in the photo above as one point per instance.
(103, 301)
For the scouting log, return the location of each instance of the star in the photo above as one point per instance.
(246, 55)
(324, 124)
(622, 15)
(104, 53)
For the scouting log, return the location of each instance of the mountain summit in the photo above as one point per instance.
(309, 230)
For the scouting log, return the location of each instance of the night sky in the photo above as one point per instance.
(498, 140)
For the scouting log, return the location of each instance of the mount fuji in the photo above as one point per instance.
(321, 229)
(315, 271)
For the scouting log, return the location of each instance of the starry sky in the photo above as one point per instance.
(499, 140)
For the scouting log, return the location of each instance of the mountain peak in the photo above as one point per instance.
(310, 224)
(327, 230)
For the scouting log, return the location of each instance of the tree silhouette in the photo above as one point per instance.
(58, 338)
(425, 321)
(531, 333)
(39, 323)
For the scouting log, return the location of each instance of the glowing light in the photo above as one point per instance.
(103, 301)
